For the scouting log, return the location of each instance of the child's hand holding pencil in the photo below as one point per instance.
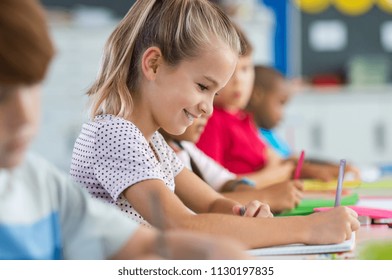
(254, 208)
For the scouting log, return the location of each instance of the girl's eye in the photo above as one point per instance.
(202, 87)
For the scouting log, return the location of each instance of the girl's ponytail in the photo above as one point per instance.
(110, 91)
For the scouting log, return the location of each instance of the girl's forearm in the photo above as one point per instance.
(254, 233)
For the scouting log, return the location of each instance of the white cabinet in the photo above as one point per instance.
(351, 123)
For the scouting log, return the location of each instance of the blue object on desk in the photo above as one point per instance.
(386, 169)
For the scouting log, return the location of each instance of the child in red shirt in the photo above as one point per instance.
(231, 137)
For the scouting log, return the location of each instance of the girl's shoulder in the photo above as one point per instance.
(159, 142)
(107, 119)
(114, 125)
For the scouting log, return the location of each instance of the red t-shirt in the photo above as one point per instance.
(233, 141)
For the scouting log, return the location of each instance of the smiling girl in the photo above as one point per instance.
(162, 67)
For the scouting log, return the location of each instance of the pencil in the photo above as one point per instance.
(339, 188)
(297, 172)
(242, 210)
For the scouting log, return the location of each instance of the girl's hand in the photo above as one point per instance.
(333, 226)
(282, 196)
(282, 171)
(327, 172)
(254, 208)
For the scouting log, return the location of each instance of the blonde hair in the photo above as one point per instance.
(180, 28)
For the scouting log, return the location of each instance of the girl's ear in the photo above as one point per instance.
(151, 60)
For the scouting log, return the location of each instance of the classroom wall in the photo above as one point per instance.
(354, 123)
(79, 47)
(336, 123)
(363, 40)
(119, 8)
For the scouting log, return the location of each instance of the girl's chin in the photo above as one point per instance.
(176, 131)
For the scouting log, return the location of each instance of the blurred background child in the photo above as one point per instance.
(267, 103)
(271, 93)
(231, 137)
(280, 196)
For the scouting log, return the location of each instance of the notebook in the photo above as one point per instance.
(374, 213)
(385, 183)
(302, 249)
(317, 185)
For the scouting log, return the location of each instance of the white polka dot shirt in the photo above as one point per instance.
(111, 154)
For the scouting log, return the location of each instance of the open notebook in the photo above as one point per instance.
(301, 249)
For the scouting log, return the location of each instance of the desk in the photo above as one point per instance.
(368, 234)
(379, 195)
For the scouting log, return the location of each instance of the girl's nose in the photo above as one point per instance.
(206, 107)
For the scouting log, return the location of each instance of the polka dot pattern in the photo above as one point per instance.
(111, 154)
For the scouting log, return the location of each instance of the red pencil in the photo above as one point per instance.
(297, 172)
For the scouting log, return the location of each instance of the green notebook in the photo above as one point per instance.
(307, 205)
